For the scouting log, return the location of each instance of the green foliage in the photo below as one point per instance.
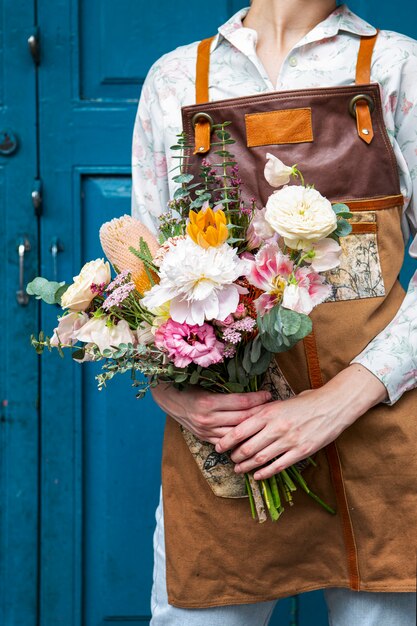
(344, 227)
(49, 291)
(280, 329)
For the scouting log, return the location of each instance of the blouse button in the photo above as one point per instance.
(293, 61)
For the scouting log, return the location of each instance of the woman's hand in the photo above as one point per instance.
(208, 415)
(298, 427)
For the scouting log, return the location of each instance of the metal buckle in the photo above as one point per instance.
(358, 98)
(202, 116)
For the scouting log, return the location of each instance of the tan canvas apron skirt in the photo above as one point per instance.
(216, 553)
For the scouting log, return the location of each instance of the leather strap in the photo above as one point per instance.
(202, 129)
(363, 65)
(203, 71)
(335, 467)
(363, 77)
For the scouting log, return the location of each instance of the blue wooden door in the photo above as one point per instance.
(18, 371)
(100, 452)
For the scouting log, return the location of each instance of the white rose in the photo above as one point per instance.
(105, 336)
(78, 296)
(276, 172)
(301, 215)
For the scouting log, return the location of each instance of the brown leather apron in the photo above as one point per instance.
(216, 554)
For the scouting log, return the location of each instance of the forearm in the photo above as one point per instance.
(351, 393)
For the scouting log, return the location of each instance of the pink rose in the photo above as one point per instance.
(189, 344)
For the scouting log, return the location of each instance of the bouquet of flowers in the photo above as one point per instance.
(210, 300)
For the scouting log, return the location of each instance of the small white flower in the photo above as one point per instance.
(78, 296)
(145, 333)
(326, 255)
(301, 215)
(103, 335)
(199, 282)
(276, 172)
(259, 231)
(67, 326)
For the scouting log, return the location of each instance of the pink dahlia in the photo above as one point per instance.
(187, 344)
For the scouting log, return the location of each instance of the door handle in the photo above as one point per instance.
(55, 248)
(21, 296)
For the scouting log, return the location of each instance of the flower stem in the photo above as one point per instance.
(250, 494)
(296, 474)
(269, 500)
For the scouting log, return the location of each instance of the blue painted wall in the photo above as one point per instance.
(81, 553)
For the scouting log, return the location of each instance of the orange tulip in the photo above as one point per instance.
(208, 228)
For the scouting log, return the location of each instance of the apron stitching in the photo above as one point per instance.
(346, 522)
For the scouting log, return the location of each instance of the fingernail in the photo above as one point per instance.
(237, 468)
(218, 448)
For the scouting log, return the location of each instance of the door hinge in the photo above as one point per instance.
(34, 43)
(37, 196)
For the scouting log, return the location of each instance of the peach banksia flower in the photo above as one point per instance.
(117, 236)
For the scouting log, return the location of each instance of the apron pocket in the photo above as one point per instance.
(359, 274)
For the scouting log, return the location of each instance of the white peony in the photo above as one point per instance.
(301, 215)
(198, 282)
(276, 172)
(105, 335)
(78, 296)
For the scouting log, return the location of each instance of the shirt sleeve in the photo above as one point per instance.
(150, 191)
(392, 355)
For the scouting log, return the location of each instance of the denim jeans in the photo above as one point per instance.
(345, 607)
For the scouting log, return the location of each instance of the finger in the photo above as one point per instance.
(239, 401)
(216, 433)
(254, 445)
(232, 418)
(239, 433)
(262, 457)
(284, 461)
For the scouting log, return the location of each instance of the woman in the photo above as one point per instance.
(220, 568)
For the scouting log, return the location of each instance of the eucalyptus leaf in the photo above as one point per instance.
(79, 354)
(181, 378)
(183, 178)
(256, 349)
(46, 290)
(194, 377)
(343, 228)
(234, 387)
(261, 364)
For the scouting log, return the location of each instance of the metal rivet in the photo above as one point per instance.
(365, 131)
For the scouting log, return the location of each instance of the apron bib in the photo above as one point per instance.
(216, 554)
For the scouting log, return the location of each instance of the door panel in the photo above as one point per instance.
(18, 372)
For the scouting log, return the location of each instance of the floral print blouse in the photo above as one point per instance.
(325, 57)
